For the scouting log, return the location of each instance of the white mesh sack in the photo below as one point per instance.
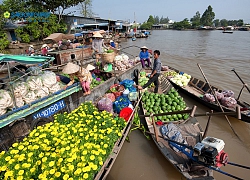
(49, 78)
(20, 89)
(56, 87)
(6, 100)
(34, 82)
(42, 92)
(30, 97)
(19, 102)
(2, 111)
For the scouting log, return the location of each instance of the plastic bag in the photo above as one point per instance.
(208, 97)
(6, 100)
(228, 102)
(49, 79)
(219, 95)
(111, 96)
(128, 84)
(105, 104)
(120, 103)
(228, 93)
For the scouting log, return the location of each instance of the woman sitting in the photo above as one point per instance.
(144, 56)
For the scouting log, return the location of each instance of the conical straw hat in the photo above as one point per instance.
(90, 67)
(70, 68)
(97, 34)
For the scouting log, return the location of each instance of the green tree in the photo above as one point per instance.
(146, 25)
(151, 20)
(208, 17)
(217, 23)
(86, 8)
(184, 24)
(195, 20)
(224, 22)
(156, 20)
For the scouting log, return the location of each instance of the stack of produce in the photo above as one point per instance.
(5, 101)
(49, 81)
(122, 62)
(143, 79)
(159, 103)
(74, 146)
(170, 74)
(181, 79)
(95, 82)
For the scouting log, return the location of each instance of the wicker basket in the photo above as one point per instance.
(108, 57)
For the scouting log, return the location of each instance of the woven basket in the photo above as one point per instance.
(108, 57)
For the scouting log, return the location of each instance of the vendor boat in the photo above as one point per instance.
(197, 88)
(181, 140)
(20, 122)
(17, 122)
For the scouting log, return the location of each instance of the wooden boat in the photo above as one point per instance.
(191, 131)
(17, 122)
(230, 32)
(196, 88)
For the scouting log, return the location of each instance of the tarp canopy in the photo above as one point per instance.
(59, 36)
(78, 34)
(25, 59)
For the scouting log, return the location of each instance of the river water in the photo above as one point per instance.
(217, 53)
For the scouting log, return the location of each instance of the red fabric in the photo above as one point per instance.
(125, 113)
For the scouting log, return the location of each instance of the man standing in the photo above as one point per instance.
(155, 73)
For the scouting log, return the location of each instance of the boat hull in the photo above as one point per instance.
(190, 130)
(197, 88)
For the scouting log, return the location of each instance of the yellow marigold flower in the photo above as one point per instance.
(20, 172)
(30, 154)
(52, 171)
(88, 168)
(8, 173)
(65, 177)
(57, 174)
(71, 167)
(105, 145)
(35, 147)
(92, 157)
(38, 162)
(20, 147)
(71, 179)
(3, 168)
(94, 167)
(44, 159)
(60, 160)
(85, 176)
(78, 171)
(70, 159)
(14, 145)
(101, 163)
(7, 158)
(51, 163)
(17, 166)
(32, 170)
(67, 148)
(19, 177)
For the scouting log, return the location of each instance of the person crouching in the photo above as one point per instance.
(82, 74)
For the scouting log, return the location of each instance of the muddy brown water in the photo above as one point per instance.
(217, 53)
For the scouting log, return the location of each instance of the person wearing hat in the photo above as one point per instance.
(98, 45)
(144, 56)
(156, 71)
(81, 73)
(31, 50)
(44, 49)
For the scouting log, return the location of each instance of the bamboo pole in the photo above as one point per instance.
(217, 100)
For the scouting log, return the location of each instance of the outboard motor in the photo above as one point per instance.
(210, 152)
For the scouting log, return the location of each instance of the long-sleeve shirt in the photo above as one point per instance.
(157, 66)
(98, 44)
(83, 75)
(144, 55)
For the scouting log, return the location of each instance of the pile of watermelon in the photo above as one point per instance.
(160, 103)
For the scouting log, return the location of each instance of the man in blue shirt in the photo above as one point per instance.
(155, 73)
(144, 56)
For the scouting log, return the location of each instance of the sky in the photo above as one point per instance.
(177, 10)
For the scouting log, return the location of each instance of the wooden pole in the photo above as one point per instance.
(207, 126)
(217, 101)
